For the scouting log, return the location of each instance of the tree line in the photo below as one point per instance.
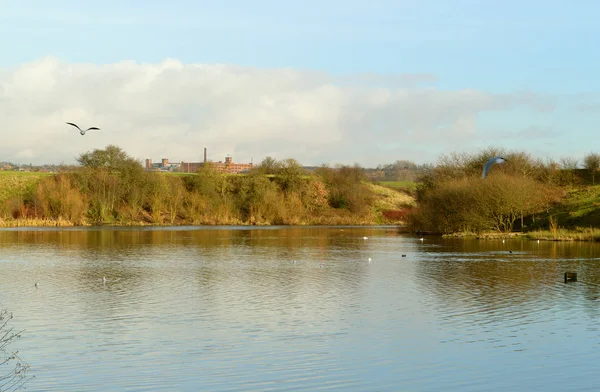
(110, 187)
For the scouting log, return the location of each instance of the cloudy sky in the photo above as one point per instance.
(326, 81)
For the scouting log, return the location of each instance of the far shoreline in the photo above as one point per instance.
(561, 235)
(51, 224)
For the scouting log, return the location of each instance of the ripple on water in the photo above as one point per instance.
(229, 310)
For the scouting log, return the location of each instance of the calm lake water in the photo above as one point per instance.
(302, 309)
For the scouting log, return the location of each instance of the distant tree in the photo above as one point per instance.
(211, 182)
(110, 178)
(268, 165)
(569, 163)
(469, 204)
(102, 158)
(345, 187)
(592, 163)
(568, 166)
(401, 170)
(505, 199)
(116, 161)
(258, 198)
(290, 175)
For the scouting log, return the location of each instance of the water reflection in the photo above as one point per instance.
(251, 309)
(514, 271)
(511, 295)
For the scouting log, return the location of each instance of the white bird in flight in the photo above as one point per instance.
(81, 131)
(490, 163)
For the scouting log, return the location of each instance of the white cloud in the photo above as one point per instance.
(174, 110)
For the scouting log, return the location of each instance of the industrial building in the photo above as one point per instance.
(191, 167)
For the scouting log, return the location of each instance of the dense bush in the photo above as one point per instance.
(109, 187)
(452, 196)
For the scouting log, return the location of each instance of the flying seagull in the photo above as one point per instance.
(490, 163)
(81, 131)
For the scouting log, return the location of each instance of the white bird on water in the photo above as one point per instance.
(81, 131)
(491, 162)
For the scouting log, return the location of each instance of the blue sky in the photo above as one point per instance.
(543, 47)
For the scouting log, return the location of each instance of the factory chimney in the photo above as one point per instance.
(204, 154)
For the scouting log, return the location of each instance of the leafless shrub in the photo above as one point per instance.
(17, 376)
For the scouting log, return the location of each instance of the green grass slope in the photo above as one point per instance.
(16, 184)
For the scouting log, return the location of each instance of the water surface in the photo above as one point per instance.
(303, 309)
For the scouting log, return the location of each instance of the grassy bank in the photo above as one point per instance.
(15, 183)
(410, 186)
(575, 218)
(563, 234)
(579, 208)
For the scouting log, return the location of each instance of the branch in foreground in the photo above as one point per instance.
(15, 378)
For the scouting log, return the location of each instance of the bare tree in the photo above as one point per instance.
(569, 163)
(592, 163)
(568, 166)
(16, 378)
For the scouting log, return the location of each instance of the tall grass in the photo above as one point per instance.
(562, 234)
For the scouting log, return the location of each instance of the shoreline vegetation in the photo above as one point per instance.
(574, 234)
(522, 198)
(110, 188)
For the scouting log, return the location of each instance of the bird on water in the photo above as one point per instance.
(81, 131)
(491, 162)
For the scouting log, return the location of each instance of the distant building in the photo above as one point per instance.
(224, 167)
(164, 165)
(191, 167)
(231, 167)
